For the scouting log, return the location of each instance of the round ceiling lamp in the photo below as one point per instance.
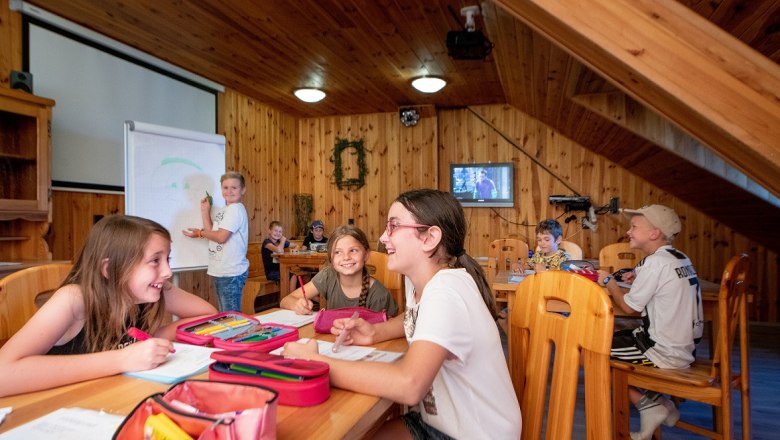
(429, 84)
(310, 95)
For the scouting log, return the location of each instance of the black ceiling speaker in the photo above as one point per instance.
(22, 81)
(409, 117)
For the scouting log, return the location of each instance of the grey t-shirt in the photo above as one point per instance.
(379, 298)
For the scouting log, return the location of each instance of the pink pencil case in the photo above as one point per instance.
(324, 319)
(587, 273)
(299, 382)
(236, 331)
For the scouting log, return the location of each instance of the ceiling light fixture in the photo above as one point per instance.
(310, 95)
(429, 84)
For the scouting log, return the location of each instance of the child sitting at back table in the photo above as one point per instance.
(120, 280)
(345, 282)
(549, 234)
(276, 243)
(316, 235)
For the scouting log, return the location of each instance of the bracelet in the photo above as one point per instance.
(606, 280)
(200, 233)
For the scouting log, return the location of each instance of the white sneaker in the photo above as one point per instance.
(674, 413)
(650, 419)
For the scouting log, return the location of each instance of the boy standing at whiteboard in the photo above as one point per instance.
(228, 235)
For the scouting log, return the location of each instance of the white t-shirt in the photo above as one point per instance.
(667, 292)
(229, 258)
(472, 395)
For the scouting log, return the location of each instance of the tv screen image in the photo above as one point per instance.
(483, 184)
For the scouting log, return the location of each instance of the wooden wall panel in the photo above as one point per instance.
(262, 144)
(11, 46)
(478, 134)
(73, 214)
(398, 158)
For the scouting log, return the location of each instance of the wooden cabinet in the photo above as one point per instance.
(25, 175)
(25, 156)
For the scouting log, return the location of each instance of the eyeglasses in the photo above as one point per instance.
(393, 225)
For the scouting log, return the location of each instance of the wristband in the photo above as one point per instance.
(606, 281)
(200, 233)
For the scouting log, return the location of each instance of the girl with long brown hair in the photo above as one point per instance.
(121, 279)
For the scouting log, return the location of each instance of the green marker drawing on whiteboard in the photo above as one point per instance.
(208, 197)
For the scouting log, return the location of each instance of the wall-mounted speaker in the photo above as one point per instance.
(22, 81)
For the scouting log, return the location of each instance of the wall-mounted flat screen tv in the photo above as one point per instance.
(483, 184)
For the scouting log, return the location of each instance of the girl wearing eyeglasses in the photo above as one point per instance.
(454, 376)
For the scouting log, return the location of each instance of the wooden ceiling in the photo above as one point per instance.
(364, 53)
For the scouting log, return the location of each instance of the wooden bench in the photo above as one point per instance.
(256, 283)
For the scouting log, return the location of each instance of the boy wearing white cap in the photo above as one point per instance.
(666, 291)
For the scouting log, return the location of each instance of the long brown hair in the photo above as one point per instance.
(438, 208)
(117, 243)
(358, 234)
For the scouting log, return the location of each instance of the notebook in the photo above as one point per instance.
(188, 360)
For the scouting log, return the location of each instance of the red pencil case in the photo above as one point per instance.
(324, 319)
(587, 273)
(299, 382)
(236, 331)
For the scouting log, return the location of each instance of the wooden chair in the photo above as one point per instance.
(502, 253)
(618, 256)
(256, 283)
(573, 249)
(582, 338)
(393, 281)
(20, 292)
(708, 380)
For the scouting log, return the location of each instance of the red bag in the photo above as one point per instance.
(323, 322)
(299, 382)
(208, 410)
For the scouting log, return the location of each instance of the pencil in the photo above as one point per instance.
(300, 281)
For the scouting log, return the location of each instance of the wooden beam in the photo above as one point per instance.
(702, 79)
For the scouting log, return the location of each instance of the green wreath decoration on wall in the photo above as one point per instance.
(352, 183)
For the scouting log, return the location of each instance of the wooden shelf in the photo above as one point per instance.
(14, 238)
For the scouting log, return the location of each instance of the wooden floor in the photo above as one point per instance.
(764, 384)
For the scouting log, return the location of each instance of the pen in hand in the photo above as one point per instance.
(141, 335)
(343, 335)
(303, 290)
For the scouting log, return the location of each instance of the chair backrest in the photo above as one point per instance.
(504, 252)
(20, 290)
(255, 257)
(535, 333)
(619, 256)
(573, 249)
(732, 314)
(393, 281)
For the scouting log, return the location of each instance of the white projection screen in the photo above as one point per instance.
(98, 88)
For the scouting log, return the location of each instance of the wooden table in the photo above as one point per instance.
(288, 260)
(345, 414)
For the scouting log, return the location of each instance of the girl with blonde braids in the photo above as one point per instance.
(345, 282)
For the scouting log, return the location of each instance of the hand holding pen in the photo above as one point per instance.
(141, 335)
(344, 332)
(308, 306)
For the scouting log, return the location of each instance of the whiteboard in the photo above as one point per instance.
(167, 172)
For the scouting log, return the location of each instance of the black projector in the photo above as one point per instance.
(465, 45)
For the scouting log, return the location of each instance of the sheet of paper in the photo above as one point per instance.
(188, 360)
(286, 317)
(68, 424)
(516, 278)
(346, 352)
(4, 412)
(383, 356)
